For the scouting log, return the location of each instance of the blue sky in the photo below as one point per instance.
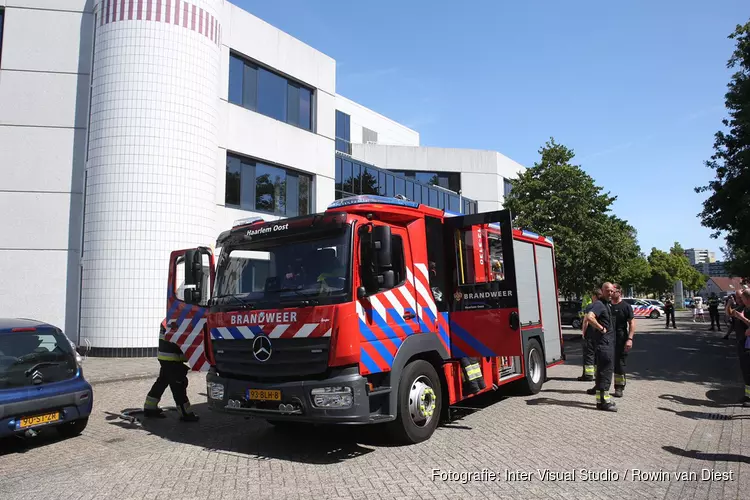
(635, 88)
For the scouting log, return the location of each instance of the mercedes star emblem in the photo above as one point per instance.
(262, 348)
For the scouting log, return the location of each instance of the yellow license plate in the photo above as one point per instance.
(38, 420)
(264, 395)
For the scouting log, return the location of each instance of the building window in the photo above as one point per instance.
(369, 136)
(447, 180)
(257, 186)
(354, 178)
(260, 89)
(343, 132)
(507, 186)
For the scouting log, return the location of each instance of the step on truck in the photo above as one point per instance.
(379, 310)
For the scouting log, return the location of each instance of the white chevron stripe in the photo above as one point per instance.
(426, 296)
(245, 332)
(196, 331)
(378, 307)
(277, 331)
(196, 356)
(328, 333)
(306, 330)
(183, 326)
(361, 310)
(395, 304)
(407, 295)
(423, 270)
(224, 332)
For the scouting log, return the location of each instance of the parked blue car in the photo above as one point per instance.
(41, 381)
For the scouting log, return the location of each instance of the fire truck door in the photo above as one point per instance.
(186, 310)
(390, 315)
(483, 318)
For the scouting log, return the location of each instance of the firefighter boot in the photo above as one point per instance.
(591, 391)
(187, 414)
(603, 403)
(151, 408)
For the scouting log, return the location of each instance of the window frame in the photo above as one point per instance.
(255, 105)
(250, 164)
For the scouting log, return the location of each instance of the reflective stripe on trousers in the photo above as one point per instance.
(589, 369)
(170, 356)
(151, 403)
(620, 380)
(602, 397)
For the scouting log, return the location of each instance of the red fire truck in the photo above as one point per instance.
(379, 310)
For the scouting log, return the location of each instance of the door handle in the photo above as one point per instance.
(409, 315)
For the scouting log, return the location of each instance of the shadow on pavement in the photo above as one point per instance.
(14, 444)
(699, 415)
(255, 438)
(558, 402)
(582, 390)
(711, 457)
(715, 398)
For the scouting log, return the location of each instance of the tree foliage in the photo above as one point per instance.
(668, 267)
(560, 200)
(727, 209)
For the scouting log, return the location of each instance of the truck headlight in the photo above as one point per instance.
(215, 391)
(332, 397)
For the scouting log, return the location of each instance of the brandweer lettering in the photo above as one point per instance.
(267, 229)
(489, 295)
(263, 317)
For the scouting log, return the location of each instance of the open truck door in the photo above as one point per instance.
(191, 282)
(483, 316)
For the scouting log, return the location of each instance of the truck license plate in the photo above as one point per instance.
(263, 395)
(38, 420)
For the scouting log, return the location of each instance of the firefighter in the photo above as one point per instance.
(740, 323)
(624, 330)
(173, 373)
(589, 366)
(601, 319)
(713, 311)
(669, 311)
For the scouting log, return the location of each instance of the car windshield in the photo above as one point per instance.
(32, 358)
(272, 272)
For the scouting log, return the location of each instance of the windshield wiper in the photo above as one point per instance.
(39, 365)
(242, 302)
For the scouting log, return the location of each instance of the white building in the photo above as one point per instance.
(700, 256)
(130, 129)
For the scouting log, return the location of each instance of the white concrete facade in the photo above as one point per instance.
(115, 125)
(483, 173)
(388, 131)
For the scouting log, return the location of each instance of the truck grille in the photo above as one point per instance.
(289, 358)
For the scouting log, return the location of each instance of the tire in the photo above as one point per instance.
(654, 315)
(74, 428)
(535, 368)
(576, 323)
(420, 403)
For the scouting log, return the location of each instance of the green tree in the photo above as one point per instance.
(668, 267)
(635, 274)
(726, 210)
(560, 200)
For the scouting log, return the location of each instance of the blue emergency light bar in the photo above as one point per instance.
(247, 221)
(371, 198)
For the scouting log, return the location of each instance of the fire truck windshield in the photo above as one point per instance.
(282, 271)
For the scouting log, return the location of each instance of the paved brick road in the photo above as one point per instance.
(678, 416)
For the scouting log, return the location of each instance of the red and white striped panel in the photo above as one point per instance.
(424, 294)
(190, 342)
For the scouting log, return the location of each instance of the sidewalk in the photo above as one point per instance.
(103, 370)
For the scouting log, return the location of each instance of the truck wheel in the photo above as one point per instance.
(535, 368)
(419, 403)
(576, 323)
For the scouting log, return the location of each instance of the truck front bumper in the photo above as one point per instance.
(296, 402)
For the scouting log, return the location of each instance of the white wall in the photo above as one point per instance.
(389, 131)
(482, 172)
(44, 80)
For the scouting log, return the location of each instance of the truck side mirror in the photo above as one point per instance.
(381, 243)
(387, 279)
(193, 276)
